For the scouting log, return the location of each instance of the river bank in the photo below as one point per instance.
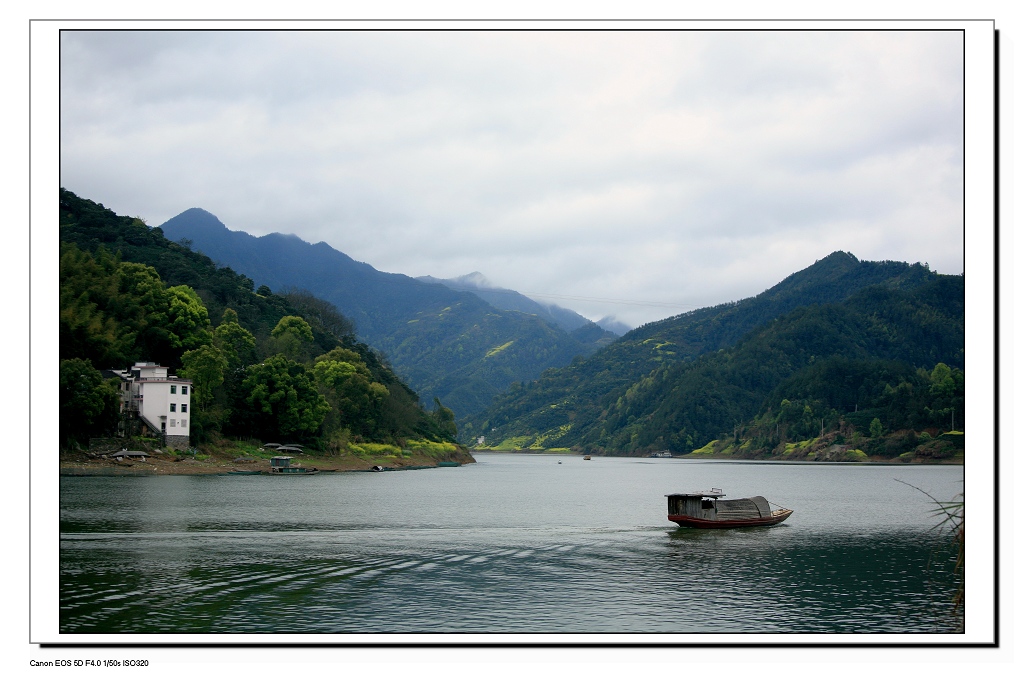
(904, 447)
(740, 457)
(225, 457)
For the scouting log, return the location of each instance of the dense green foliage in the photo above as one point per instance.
(128, 294)
(349, 386)
(850, 356)
(282, 399)
(445, 343)
(88, 404)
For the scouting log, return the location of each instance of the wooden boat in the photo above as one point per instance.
(242, 472)
(707, 510)
(294, 470)
(282, 464)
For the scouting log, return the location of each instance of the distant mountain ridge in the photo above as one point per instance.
(446, 343)
(511, 300)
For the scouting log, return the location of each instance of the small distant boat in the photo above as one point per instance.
(448, 463)
(661, 454)
(707, 510)
(377, 468)
(282, 464)
(243, 472)
(295, 470)
(586, 457)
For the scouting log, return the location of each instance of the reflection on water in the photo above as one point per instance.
(506, 546)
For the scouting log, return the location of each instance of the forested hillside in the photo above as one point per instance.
(445, 343)
(846, 354)
(263, 365)
(680, 383)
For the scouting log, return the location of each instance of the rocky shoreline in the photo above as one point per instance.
(222, 461)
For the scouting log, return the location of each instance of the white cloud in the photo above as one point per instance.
(678, 167)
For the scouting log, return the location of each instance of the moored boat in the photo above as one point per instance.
(282, 464)
(708, 510)
(294, 470)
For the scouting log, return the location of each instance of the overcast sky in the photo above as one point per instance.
(634, 174)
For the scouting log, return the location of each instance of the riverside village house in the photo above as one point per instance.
(157, 400)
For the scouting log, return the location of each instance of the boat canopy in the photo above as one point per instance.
(713, 493)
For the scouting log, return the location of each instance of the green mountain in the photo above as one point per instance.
(263, 365)
(446, 343)
(682, 382)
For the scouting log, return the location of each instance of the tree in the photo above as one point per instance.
(876, 429)
(323, 313)
(205, 366)
(187, 318)
(445, 419)
(349, 387)
(88, 405)
(284, 398)
(236, 342)
(88, 329)
(291, 335)
(946, 395)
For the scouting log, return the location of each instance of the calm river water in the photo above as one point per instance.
(511, 544)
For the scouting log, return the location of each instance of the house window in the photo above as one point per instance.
(184, 391)
(184, 407)
(184, 423)
(174, 389)
(174, 423)
(174, 407)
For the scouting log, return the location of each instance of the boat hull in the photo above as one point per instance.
(699, 523)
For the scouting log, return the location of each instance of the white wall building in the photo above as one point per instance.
(161, 401)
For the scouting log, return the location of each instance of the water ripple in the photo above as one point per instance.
(131, 566)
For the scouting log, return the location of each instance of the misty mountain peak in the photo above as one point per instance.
(475, 279)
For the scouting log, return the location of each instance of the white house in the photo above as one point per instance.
(161, 401)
